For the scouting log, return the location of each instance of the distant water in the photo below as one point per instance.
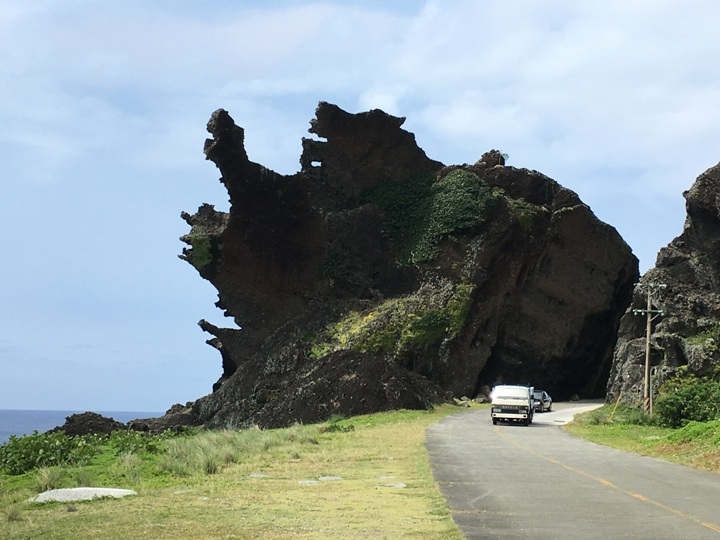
(20, 423)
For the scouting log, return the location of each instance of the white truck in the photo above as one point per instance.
(512, 403)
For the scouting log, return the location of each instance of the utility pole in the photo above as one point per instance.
(651, 315)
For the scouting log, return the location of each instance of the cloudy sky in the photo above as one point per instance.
(103, 107)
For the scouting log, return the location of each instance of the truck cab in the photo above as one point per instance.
(512, 403)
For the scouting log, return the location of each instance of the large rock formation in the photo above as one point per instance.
(377, 278)
(685, 286)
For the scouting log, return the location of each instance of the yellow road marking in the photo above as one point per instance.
(609, 484)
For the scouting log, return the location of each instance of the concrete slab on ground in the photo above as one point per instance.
(81, 494)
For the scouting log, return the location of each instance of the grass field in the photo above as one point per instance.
(366, 477)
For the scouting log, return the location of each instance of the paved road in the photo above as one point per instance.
(539, 482)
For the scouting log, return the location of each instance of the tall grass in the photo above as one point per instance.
(82, 477)
(128, 468)
(209, 452)
(49, 478)
(13, 513)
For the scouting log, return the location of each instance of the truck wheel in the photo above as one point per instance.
(494, 421)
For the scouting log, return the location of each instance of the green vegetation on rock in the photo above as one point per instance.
(421, 211)
(524, 211)
(707, 338)
(400, 324)
(201, 250)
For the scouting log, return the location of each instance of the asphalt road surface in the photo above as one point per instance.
(539, 482)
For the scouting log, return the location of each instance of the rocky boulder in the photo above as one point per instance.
(88, 423)
(685, 286)
(378, 278)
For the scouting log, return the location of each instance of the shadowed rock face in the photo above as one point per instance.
(685, 286)
(377, 278)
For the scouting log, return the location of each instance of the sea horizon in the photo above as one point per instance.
(19, 422)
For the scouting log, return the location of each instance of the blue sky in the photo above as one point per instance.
(103, 107)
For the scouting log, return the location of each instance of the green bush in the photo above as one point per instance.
(22, 454)
(686, 398)
(459, 203)
(134, 442)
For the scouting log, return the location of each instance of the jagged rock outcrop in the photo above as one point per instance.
(378, 278)
(176, 418)
(685, 286)
(88, 423)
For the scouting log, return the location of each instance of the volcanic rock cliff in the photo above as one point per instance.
(684, 286)
(377, 278)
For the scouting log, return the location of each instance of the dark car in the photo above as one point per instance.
(543, 401)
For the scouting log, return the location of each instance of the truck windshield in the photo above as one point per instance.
(510, 393)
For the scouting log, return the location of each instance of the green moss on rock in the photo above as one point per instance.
(201, 250)
(400, 324)
(421, 211)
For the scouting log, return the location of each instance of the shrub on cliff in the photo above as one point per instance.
(686, 398)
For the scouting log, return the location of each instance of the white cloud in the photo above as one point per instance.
(587, 83)
(384, 97)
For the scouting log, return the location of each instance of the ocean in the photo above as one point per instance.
(18, 423)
